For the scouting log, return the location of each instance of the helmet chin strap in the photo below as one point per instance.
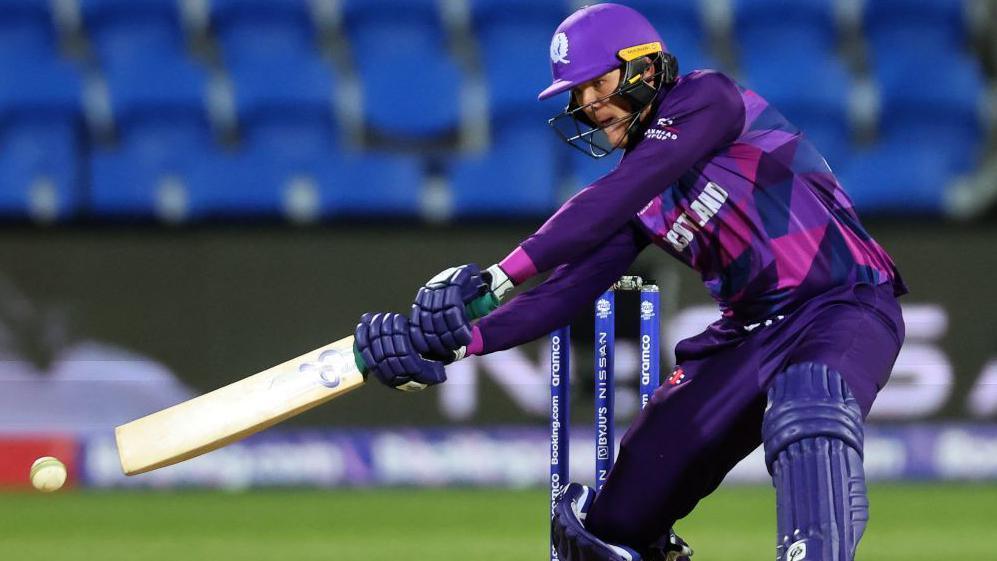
(638, 92)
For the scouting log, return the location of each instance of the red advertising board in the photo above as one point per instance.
(18, 452)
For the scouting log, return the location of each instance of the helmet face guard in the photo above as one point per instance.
(575, 128)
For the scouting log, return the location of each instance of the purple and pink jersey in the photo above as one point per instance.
(723, 182)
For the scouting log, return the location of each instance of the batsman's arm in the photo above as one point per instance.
(445, 306)
(705, 111)
(570, 289)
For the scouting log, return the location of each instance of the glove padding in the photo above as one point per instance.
(572, 540)
(384, 342)
(441, 325)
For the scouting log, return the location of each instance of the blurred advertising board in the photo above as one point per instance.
(99, 326)
(505, 457)
(19, 451)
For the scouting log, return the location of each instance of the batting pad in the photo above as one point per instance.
(813, 448)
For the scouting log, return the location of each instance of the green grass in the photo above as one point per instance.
(909, 523)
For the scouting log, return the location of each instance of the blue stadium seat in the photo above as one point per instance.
(811, 93)
(516, 178)
(378, 28)
(371, 184)
(583, 170)
(681, 27)
(255, 30)
(40, 130)
(245, 186)
(832, 138)
(393, 26)
(164, 130)
(235, 186)
(897, 179)
(915, 24)
(514, 40)
(772, 26)
(127, 32)
(669, 16)
(687, 46)
(160, 108)
(124, 187)
(216, 185)
(26, 28)
(419, 97)
(285, 108)
(934, 101)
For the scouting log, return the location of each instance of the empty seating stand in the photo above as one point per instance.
(260, 30)
(163, 130)
(133, 33)
(40, 138)
(516, 177)
(514, 42)
(27, 30)
(293, 66)
(410, 85)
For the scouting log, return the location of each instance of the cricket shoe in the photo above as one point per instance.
(570, 538)
(671, 548)
(574, 543)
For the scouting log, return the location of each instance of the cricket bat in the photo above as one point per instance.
(235, 411)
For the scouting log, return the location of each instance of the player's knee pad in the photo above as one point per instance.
(813, 436)
(572, 541)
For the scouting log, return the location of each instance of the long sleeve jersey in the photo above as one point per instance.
(723, 182)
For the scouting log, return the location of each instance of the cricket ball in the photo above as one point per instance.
(48, 474)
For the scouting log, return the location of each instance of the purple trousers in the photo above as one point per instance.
(707, 415)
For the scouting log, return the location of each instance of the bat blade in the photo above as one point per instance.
(235, 411)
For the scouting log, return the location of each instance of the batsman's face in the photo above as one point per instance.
(609, 112)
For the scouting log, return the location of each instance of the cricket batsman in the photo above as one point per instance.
(718, 178)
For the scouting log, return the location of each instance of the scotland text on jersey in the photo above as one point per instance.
(705, 207)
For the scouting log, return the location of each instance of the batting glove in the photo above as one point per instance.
(444, 307)
(384, 343)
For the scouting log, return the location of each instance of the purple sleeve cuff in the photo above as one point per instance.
(518, 266)
(552, 304)
(477, 344)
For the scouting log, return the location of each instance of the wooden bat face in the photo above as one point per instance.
(235, 411)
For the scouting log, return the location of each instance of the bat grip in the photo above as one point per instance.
(481, 306)
(358, 359)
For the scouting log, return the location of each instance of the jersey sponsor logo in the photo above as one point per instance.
(701, 210)
(664, 130)
(559, 49)
(677, 376)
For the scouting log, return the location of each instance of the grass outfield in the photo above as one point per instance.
(910, 523)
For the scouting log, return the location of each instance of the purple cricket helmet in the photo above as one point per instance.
(589, 44)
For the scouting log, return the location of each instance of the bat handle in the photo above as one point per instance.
(358, 359)
(481, 306)
(476, 309)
